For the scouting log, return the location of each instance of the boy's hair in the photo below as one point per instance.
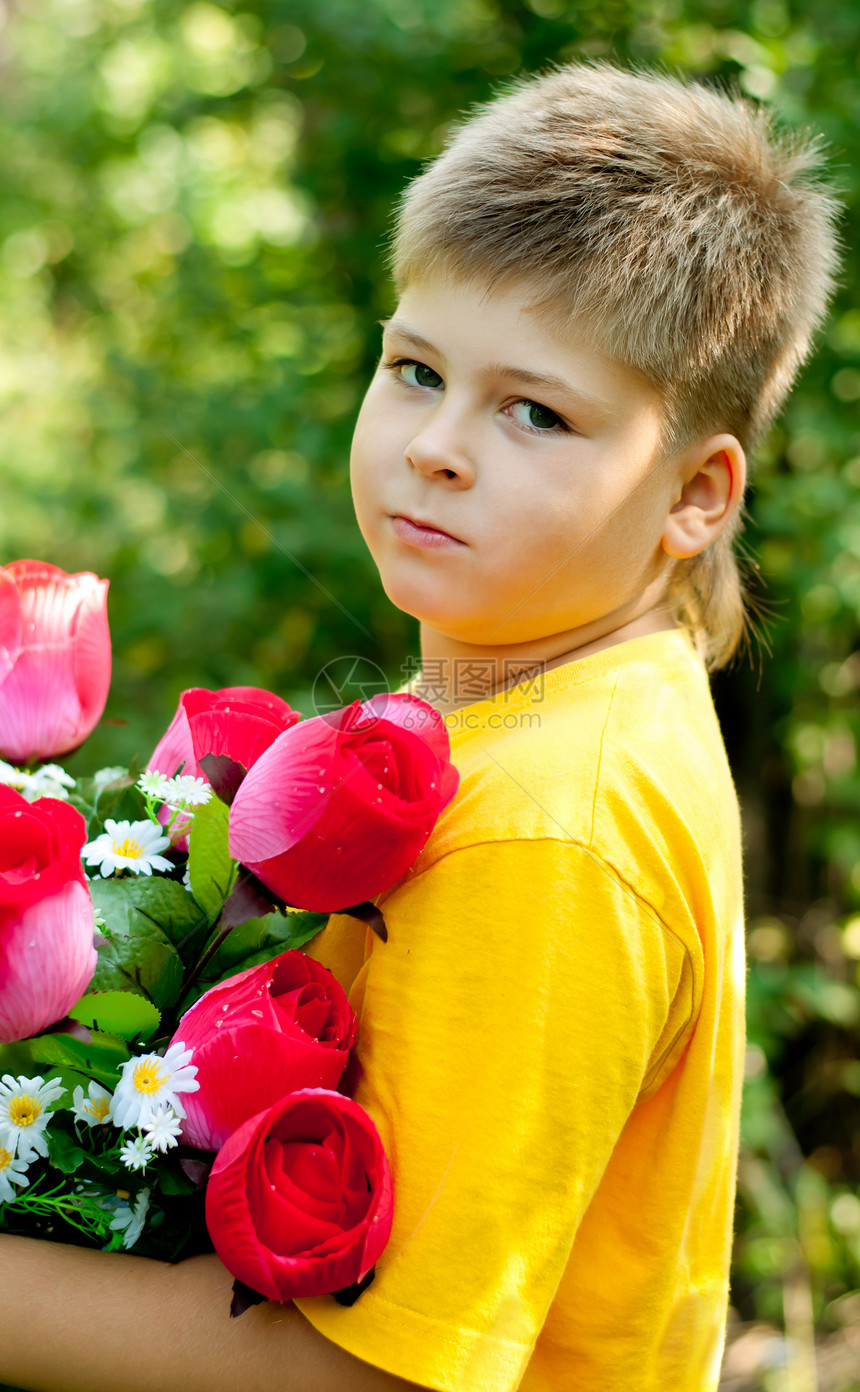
(694, 240)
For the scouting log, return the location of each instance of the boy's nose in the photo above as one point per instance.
(439, 452)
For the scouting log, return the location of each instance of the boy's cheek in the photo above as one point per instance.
(359, 471)
(363, 512)
(368, 505)
(377, 476)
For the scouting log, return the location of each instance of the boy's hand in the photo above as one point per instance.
(80, 1321)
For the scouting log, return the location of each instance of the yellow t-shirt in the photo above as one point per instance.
(551, 1043)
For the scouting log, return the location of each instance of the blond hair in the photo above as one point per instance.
(694, 238)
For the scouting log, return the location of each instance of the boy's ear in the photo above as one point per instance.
(712, 479)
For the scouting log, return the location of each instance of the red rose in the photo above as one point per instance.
(299, 1198)
(272, 1029)
(340, 806)
(47, 957)
(239, 721)
(55, 659)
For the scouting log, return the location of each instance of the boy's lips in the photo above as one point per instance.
(416, 532)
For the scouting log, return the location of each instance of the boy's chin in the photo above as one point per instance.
(442, 613)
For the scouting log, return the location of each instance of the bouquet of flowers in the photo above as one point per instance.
(169, 1057)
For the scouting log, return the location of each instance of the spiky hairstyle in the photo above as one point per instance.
(694, 239)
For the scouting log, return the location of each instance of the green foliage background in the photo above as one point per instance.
(195, 198)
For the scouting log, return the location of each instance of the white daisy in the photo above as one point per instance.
(95, 1109)
(104, 776)
(25, 1113)
(129, 1221)
(14, 777)
(51, 781)
(154, 784)
(149, 1080)
(128, 846)
(48, 781)
(136, 1154)
(184, 791)
(163, 1128)
(12, 1171)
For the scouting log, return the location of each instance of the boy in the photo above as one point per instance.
(606, 285)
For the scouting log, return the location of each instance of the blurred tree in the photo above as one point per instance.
(196, 197)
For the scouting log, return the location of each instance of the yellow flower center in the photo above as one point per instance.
(129, 847)
(147, 1076)
(99, 1108)
(5, 1158)
(23, 1110)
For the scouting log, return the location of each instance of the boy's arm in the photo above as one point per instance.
(525, 1000)
(82, 1321)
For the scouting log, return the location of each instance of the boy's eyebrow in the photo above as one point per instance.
(549, 379)
(522, 374)
(399, 326)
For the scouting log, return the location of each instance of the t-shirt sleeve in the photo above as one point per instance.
(525, 1001)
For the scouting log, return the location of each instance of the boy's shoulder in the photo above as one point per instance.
(620, 753)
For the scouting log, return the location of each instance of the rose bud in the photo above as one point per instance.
(239, 721)
(272, 1029)
(55, 659)
(340, 806)
(47, 957)
(299, 1198)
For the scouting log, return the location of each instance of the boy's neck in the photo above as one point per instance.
(455, 674)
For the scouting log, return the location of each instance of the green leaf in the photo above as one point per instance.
(118, 1012)
(143, 920)
(240, 944)
(173, 1181)
(17, 1058)
(109, 1164)
(120, 799)
(210, 864)
(260, 940)
(301, 927)
(124, 904)
(100, 1058)
(64, 1153)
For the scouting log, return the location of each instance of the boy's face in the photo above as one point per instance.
(539, 457)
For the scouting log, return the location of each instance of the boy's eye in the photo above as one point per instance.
(417, 374)
(535, 416)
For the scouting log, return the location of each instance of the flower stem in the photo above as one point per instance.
(247, 899)
(86, 1216)
(202, 962)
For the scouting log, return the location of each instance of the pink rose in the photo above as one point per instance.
(299, 1198)
(47, 957)
(55, 659)
(272, 1029)
(340, 806)
(239, 721)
